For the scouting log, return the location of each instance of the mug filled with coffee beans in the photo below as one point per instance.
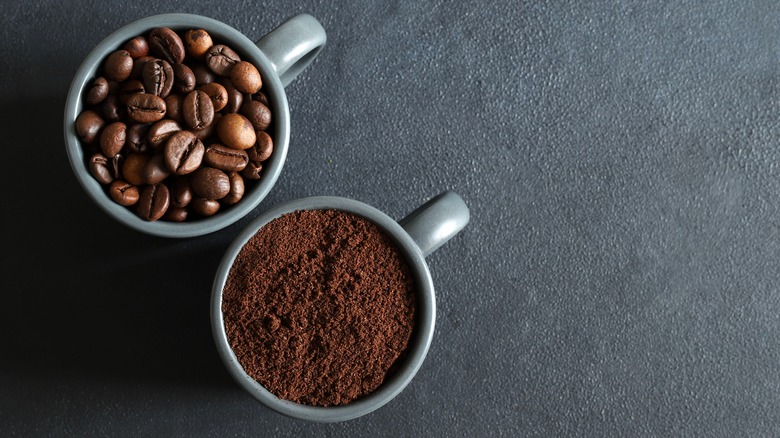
(178, 125)
(323, 308)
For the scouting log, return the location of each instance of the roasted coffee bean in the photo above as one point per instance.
(182, 193)
(221, 59)
(208, 131)
(118, 65)
(205, 207)
(246, 77)
(203, 75)
(210, 183)
(263, 148)
(112, 139)
(260, 97)
(161, 131)
(99, 168)
(158, 77)
(197, 110)
(225, 158)
(154, 202)
(173, 104)
(252, 170)
(113, 87)
(130, 87)
(183, 153)
(217, 93)
(236, 131)
(113, 110)
(175, 214)
(236, 189)
(124, 193)
(134, 167)
(137, 47)
(88, 126)
(235, 97)
(198, 41)
(257, 113)
(116, 166)
(138, 66)
(136, 138)
(183, 79)
(145, 108)
(166, 44)
(98, 91)
(156, 170)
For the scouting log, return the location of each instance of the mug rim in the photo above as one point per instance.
(422, 334)
(272, 86)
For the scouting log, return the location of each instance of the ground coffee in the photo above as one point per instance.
(318, 307)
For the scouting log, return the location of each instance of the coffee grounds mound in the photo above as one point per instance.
(319, 306)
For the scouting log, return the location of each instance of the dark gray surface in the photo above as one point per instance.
(618, 277)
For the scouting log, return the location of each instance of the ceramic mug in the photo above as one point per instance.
(416, 236)
(280, 56)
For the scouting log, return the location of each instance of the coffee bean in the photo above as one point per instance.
(183, 79)
(116, 166)
(88, 126)
(257, 113)
(137, 47)
(98, 91)
(216, 93)
(158, 77)
(154, 202)
(225, 158)
(203, 75)
(176, 214)
(198, 41)
(123, 193)
(263, 148)
(234, 99)
(198, 110)
(167, 45)
(182, 193)
(173, 104)
(98, 167)
(161, 131)
(156, 170)
(205, 207)
(183, 153)
(136, 138)
(260, 97)
(130, 87)
(252, 170)
(236, 189)
(221, 59)
(210, 183)
(118, 65)
(112, 139)
(145, 108)
(208, 131)
(246, 77)
(113, 110)
(133, 168)
(236, 131)
(138, 66)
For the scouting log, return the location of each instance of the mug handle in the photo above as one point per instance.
(436, 221)
(293, 45)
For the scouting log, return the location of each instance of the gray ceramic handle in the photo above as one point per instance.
(436, 221)
(293, 45)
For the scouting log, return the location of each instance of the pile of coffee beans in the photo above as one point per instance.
(175, 125)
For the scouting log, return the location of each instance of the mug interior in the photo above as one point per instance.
(221, 34)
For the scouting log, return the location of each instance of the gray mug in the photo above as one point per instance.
(280, 56)
(416, 236)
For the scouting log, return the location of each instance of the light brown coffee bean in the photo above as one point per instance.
(124, 193)
(198, 41)
(217, 93)
(137, 47)
(112, 139)
(225, 158)
(118, 65)
(210, 183)
(236, 189)
(183, 153)
(246, 77)
(236, 131)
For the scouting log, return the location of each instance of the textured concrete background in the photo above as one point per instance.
(619, 276)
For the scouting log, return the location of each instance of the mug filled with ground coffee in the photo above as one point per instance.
(323, 308)
(177, 125)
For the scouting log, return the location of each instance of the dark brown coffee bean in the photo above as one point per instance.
(118, 65)
(236, 131)
(98, 91)
(183, 153)
(236, 189)
(138, 66)
(154, 202)
(161, 131)
(145, 108)
(203, 75)
(235, 97)
(156, 170)
(113, 110)
(176, 214)
(221, 59)
(246, 77)
(112, 139)
(252, 170)
(124, 193)
(136, 138)
(99, 168)
(183, 79)
(197, 110)
(134, 167)
(225, 158)
(217, 93)
(88, 126)
(173, 104)
(130, 87)
(166, 44)
(198, 41)
(116, 166)
(257, 113)
(205, 207)
(137, 47)
(263, 148)
(210, 183)
(260, 97)
(182, 193)
(208, 131)
(158, 77)
(113, 87)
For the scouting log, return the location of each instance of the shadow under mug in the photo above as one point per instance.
(416, 236)
(279, 56)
